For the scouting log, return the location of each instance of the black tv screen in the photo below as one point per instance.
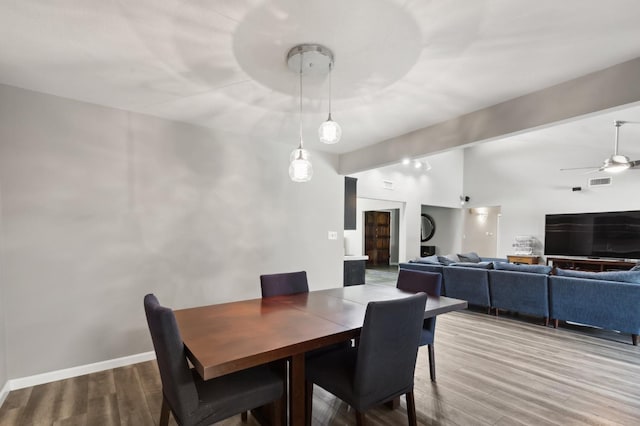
(608, 234)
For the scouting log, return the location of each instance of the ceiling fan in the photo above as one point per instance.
(617, 162)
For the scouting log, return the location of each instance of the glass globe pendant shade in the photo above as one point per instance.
(300, 168)
(329, 131)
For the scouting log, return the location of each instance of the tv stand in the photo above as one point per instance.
(590, 264)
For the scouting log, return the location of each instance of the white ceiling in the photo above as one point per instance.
(400, 65)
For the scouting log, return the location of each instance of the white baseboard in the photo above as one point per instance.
(4, 392)
(81, 370)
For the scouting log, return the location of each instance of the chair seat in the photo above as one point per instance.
(335, 370)
(258, 386)
(426, 337)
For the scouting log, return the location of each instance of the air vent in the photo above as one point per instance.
(600, 181)
(387, 184)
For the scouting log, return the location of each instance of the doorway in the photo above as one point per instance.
(481, 227)
(377, 237)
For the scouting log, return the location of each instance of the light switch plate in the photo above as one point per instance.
(333, 235)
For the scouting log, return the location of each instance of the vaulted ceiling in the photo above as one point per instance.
(400, 65)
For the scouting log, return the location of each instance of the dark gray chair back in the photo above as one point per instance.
(388, 348)
(420, 281)
(285, 283)
(178, 385)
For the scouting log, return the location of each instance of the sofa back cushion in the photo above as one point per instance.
(448, 259)
(621, 276)
(481, 265)
(534, 269)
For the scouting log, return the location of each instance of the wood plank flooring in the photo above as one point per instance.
(490, 371)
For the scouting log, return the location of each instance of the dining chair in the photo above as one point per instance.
(430, 283)
(194, 401)
(284, 283)
(381, 368)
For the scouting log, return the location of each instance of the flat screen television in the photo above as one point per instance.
(607, 234)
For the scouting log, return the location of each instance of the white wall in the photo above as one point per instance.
(101, 206)
(441, 186)
(522, 175)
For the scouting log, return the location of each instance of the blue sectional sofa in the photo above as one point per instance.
(609, 300)
(468, 283)
(520, 288)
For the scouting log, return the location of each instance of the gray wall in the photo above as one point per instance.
(3, 344)
(101, 206)
(447, 237)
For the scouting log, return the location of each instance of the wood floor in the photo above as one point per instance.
(491, 371)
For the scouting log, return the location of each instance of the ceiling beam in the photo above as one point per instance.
(601, 90)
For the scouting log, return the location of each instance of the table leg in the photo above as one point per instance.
(296, 390)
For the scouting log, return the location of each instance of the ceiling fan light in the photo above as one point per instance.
(329, 131)
(616, 168)
(300, 168)
(616, 164)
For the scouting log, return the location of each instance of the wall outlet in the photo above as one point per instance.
(333, 235)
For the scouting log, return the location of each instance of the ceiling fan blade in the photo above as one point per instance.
(580, 168)
(635, 164)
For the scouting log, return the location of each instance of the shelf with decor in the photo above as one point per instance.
(593, 265)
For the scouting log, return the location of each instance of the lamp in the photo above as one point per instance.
(330, 131)
(300, 167)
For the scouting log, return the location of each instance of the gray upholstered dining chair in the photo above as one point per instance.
(430, 283)
(194, 401)
(284, 283)
(381, 368)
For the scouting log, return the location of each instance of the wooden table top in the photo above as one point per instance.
(228, 337)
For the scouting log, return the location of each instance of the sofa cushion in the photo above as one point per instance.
(534, 269)
(433, 260)
(621, 276)
(481, 265)
(448, 259)
(469, 257)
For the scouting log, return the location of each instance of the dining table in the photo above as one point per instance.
(227, 337)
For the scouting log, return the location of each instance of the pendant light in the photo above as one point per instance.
(300, 168)
(330, 131)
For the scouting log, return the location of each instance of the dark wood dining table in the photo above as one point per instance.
(228, 337)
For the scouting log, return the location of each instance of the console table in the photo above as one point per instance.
(523, 258)
(595, 265)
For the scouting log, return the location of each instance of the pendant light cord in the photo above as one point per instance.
(615, 146)
(301, 60)
(330, 72)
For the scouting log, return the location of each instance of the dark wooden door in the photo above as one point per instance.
(377, 236)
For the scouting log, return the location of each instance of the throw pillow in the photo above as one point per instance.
(620, 276)
(469, 257)
(636, 268)
(534, 269)
(429, 259)
(448, 259)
